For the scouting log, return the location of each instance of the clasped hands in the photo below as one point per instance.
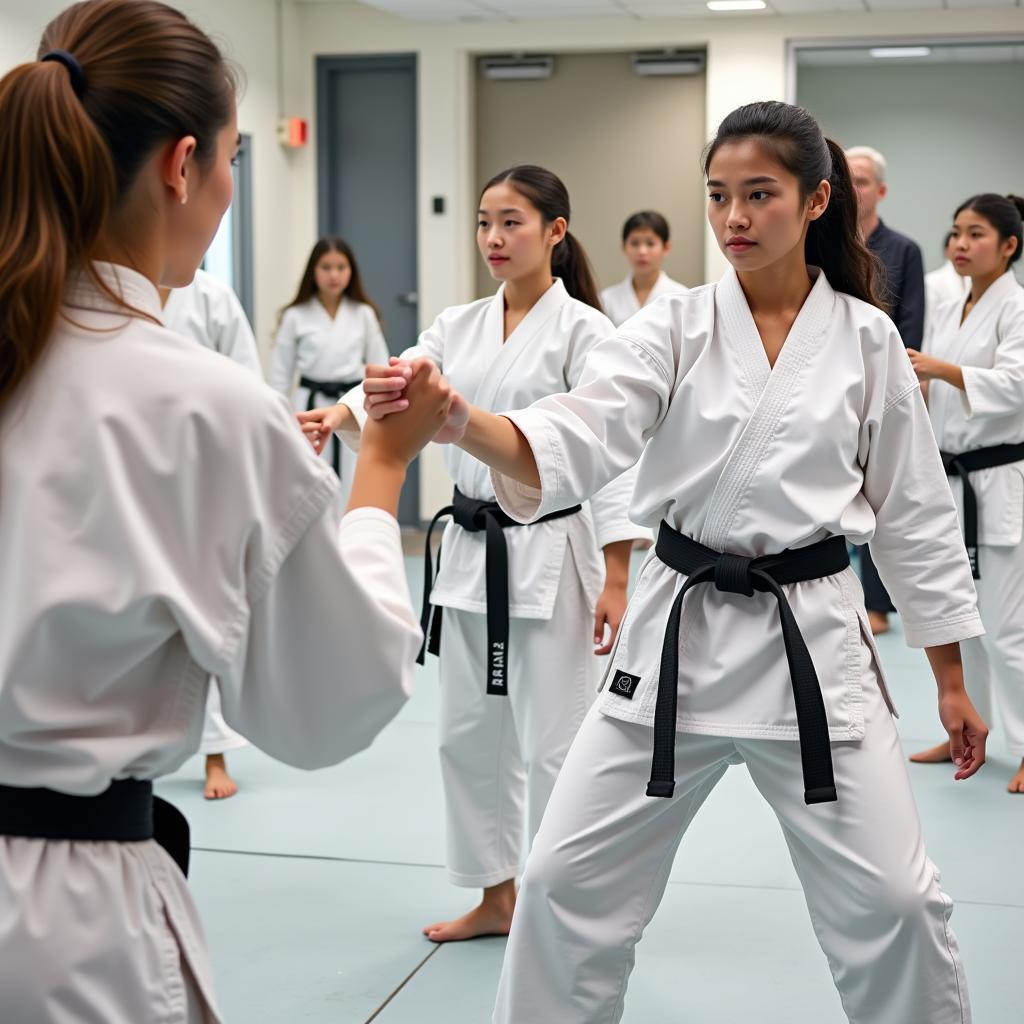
(416, 387)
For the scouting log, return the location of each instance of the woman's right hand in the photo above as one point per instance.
(427, 400)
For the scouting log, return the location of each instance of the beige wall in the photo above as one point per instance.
(620, 143)
(247, 31)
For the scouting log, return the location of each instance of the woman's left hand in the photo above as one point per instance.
(928, 367)
(611, 609)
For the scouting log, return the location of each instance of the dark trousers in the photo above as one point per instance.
(876, 597)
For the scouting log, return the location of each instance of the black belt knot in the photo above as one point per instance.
(333, 389)
(476, 516)
(732, 575)
(737, 574)
(962, 464)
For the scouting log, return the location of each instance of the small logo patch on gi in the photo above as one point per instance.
(625, 685)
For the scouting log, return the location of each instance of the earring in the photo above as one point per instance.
(184, 200)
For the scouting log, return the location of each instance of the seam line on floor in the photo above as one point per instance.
(405, 981)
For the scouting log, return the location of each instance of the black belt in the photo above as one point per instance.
(736, 574)
(475, 517)
(328, 389)
(963, 465)
(125, 812)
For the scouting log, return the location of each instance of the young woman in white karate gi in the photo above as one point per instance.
(973, 363)
(209, 312)
(328, 335)
(507, 718)
(776, 416)
(645, 241)
(162, 521)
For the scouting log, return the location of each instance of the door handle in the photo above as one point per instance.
(409, 298)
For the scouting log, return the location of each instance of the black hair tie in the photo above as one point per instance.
(74, 69)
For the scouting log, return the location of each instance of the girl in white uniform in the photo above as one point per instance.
(645, 241)
(776, 416)
(209, 312)
(974, 365)
(514, 692)
(162, 521)
(328, 335)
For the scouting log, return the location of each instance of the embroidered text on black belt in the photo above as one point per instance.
(476, 516)
(963, 465)
(125, 812)
(735, 574)
(332, 389)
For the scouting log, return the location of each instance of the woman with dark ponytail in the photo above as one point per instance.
(162, 522)
(524, 610)
(973, 364)
(776, 418)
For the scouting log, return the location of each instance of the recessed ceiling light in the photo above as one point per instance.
(883, 52)
(736, 5)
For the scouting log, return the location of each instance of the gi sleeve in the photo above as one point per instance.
(282, 359)
(316, 652)
(583, 440)
(236, 339)
(917, 546)
(610, 505)
(999, 390)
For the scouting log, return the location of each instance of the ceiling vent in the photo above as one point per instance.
(668, 62)
(517, 66)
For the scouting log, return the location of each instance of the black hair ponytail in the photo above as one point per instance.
(545, 191)
(795, 139)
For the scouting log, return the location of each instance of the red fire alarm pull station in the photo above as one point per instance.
(293, 132)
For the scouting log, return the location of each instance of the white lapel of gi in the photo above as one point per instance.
(772, 387)
(518, 341)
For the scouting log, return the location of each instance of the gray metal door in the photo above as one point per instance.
(366, 141)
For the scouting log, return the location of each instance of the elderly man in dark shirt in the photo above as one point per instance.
(903, 291)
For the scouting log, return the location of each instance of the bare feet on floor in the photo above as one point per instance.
(933, 755)
(219, 785)
(1017, 782)
(492, 917)
(879, 622)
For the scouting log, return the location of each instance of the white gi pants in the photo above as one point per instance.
(218, 736)
(500, 755)
(99, 933)
(995, 661)
(602, 857)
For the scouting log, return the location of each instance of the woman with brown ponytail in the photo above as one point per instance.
(973, 364)
(524, 610)
(162, 521)
(776, 417)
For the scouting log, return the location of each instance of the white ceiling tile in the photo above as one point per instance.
(981, 3)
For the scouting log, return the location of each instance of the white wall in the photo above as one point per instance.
(247, 31)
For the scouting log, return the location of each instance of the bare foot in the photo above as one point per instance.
(933, 755)
(219, 785)
(879, 622)
(492, 917)
(1017, 782)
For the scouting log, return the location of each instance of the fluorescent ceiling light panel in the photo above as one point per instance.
(736, 5)
(883, 52)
